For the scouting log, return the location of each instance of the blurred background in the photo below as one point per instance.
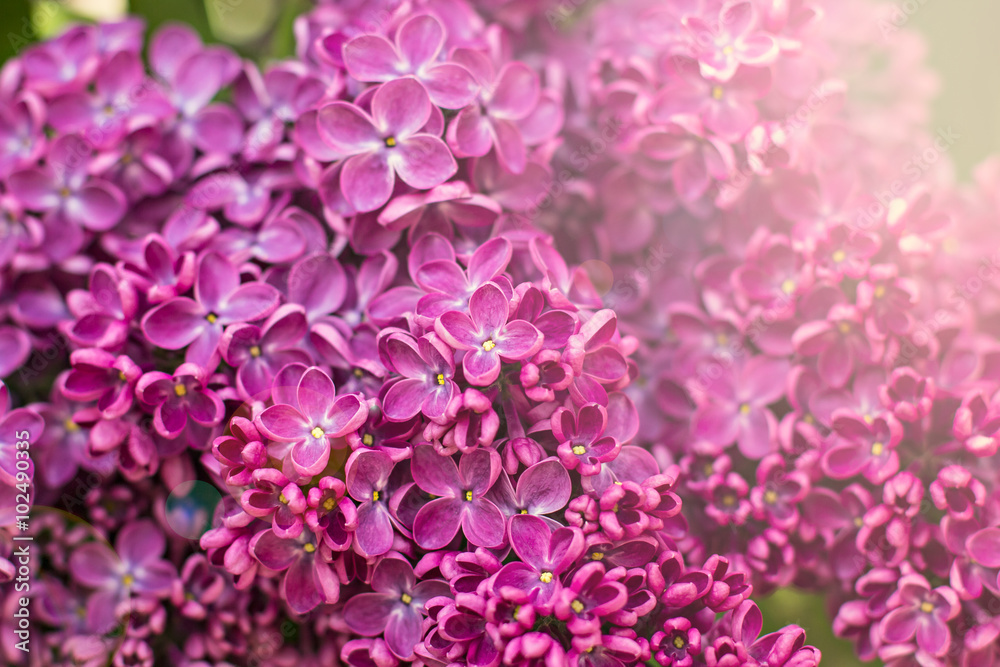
(962, 48)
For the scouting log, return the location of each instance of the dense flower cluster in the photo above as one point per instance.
(313, 288)
(812, 298)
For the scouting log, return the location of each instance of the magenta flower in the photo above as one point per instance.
(309, 580)
(68, 196)
(583, 444)
(395, 608)
(418, 44)
(505, 97)
(21, 123)
(544, 488)
(732, 41)
(386, 143)
(867, 448)
(918, 610)
(163, 274)
(367, 480)
(180, 396)
(545, 555)
(320, 416)
(736, 410)
(487, 335)
(428, 371)
(104, 312)
(727, 108)
(460, 501)
(272, 496)
(101, 376)
(258, 352)
(135, 565)
(219, 300)
(122, 100)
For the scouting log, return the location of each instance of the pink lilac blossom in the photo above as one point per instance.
(463, 445)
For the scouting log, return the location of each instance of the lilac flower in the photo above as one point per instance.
(163, 274)
(505, 97)
(427, 369)
(448, 287)
(219, 300)
(135, 564)
(367, 480)
(868, 448)
(418, 43)
(395, 608)
(918, 610)
(720, 51)
(66, 194)
(386, 143)
(737, 410)
(543, 488)
(258, 352)
(21, 123)
(487, 335)
(104, 312)
(178, 397)
(122, 99)
(545, 555)
(272, 496)
(460, 501)
(308, 580)
(582, 443)
(99, 375)
(320, 416)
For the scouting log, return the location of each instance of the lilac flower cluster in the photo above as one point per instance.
(817, 353)
(313, 287)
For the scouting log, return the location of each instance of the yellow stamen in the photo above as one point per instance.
(949, 245)
(877, 449)
(468, 496)
(328, 504)
(65, 192)
(597, 555)
(722, 339)
(71, 426)
(868, 419)
(367, 439)
(180, 390)
(317, 433)
(546, 577)
(489, 345)
(211, 317)
(524, 511)
(375, 495)
(717, 93)
(844, 327)
(745, 409)
(309, 548)
(282, 499)
(679, 642)
(577, 606)
(728, 50)
(406, 598)
(839, 256)
(579, 450)
(358, 373)
(788, 286)
(121, 376)
(255, 351)
(880, 291)
(809, 419)
(390, 141)
(926, 607)
(440, 378)
(128, 580)
(770, 497)
(729, 500)
(858, 521)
